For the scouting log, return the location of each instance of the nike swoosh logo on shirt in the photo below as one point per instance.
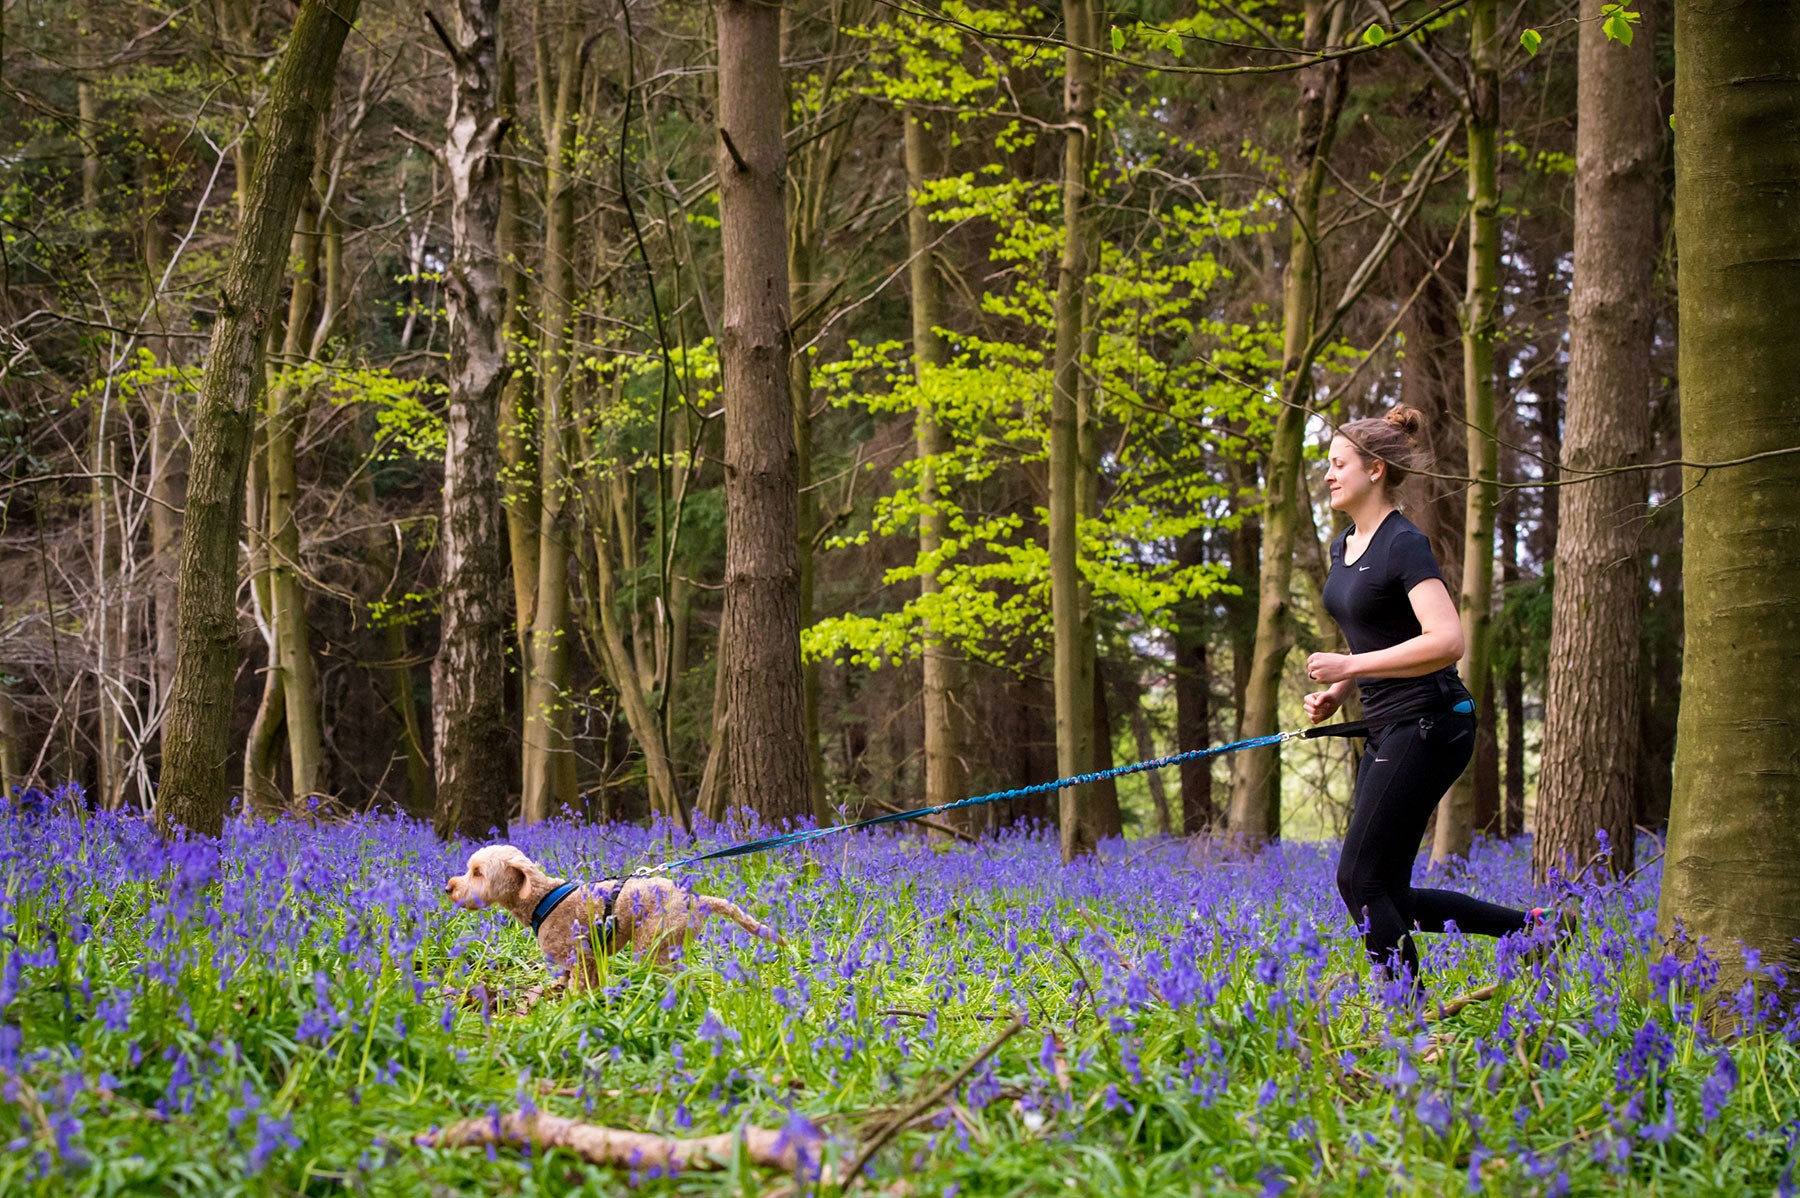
(1362, 567)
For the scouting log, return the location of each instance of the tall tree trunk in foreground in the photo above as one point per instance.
(1255, 816)
(1587, 780)
(468, 678)
(1734, 820)
(1074, 649)
(1456, 814)
(765, 757)
(197, 734)
(946, 774)
(549, 759)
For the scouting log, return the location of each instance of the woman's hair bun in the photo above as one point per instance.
(1408, 420)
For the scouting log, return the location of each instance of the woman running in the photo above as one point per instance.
(1386, 592)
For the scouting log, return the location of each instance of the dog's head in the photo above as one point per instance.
(494, 877)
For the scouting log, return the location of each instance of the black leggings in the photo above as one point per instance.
(1406, 769)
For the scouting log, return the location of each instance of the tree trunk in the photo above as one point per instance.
(549, 765)
(292, 650)
(197, 734)
(1255, 817)
(10, 775)
(1588, 777)
(1193, 701)
(1512, 800)
(168, 494)
(518, 450)
(1734, 822)
(262, 795)
(108, 599)
(468, 678)
(1131, 691)
(712, 797)
(1073, 646)
(806, 230)
(1456, 815)
(946, 773)
(766, 755)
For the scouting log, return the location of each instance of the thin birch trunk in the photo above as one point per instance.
(1456, 814)
(518, 441)
(293, 658)
(549, 761)
(261, 794)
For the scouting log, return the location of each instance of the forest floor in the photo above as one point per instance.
(299, 1009)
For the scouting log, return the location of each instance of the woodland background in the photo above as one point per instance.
(1253, 239)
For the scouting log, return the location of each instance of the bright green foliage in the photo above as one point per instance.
(407, 421)
(1177, 390)
(1167, 379)
(1618, 22)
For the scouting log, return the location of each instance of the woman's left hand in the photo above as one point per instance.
(1329, 667)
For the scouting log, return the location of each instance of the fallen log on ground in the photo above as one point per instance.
(630, 1149)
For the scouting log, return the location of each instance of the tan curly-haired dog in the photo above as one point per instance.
(647, 914)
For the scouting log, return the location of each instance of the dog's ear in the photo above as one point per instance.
(504, 882)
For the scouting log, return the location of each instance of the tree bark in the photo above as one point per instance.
(10, 775)
(1456, 814)
(1734, 823)
(1073, 658)
(197, 734)
(809, 202)
(292, 659)
(468, 678)
(549, 758)
(1131, 691)
(262, 796)
(1512, 799)
(946, 773)
(766, 754)
(109, 605)
(518, 448)
(1193, 701)
(1255, 817)
(1588, 777)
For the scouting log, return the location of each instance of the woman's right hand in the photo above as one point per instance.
(1322, 705)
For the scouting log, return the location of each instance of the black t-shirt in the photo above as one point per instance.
(1369, 600)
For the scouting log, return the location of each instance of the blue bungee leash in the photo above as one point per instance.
(1349, 728)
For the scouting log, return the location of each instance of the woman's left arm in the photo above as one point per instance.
(1439, 643)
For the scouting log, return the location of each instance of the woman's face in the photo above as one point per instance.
(1347, 475)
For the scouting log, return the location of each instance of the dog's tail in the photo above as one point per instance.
(736, 914)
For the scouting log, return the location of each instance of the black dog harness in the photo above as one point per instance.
(609, 924)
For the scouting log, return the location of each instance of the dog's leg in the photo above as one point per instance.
(737, 915)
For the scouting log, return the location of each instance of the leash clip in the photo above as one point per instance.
(645, 871)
